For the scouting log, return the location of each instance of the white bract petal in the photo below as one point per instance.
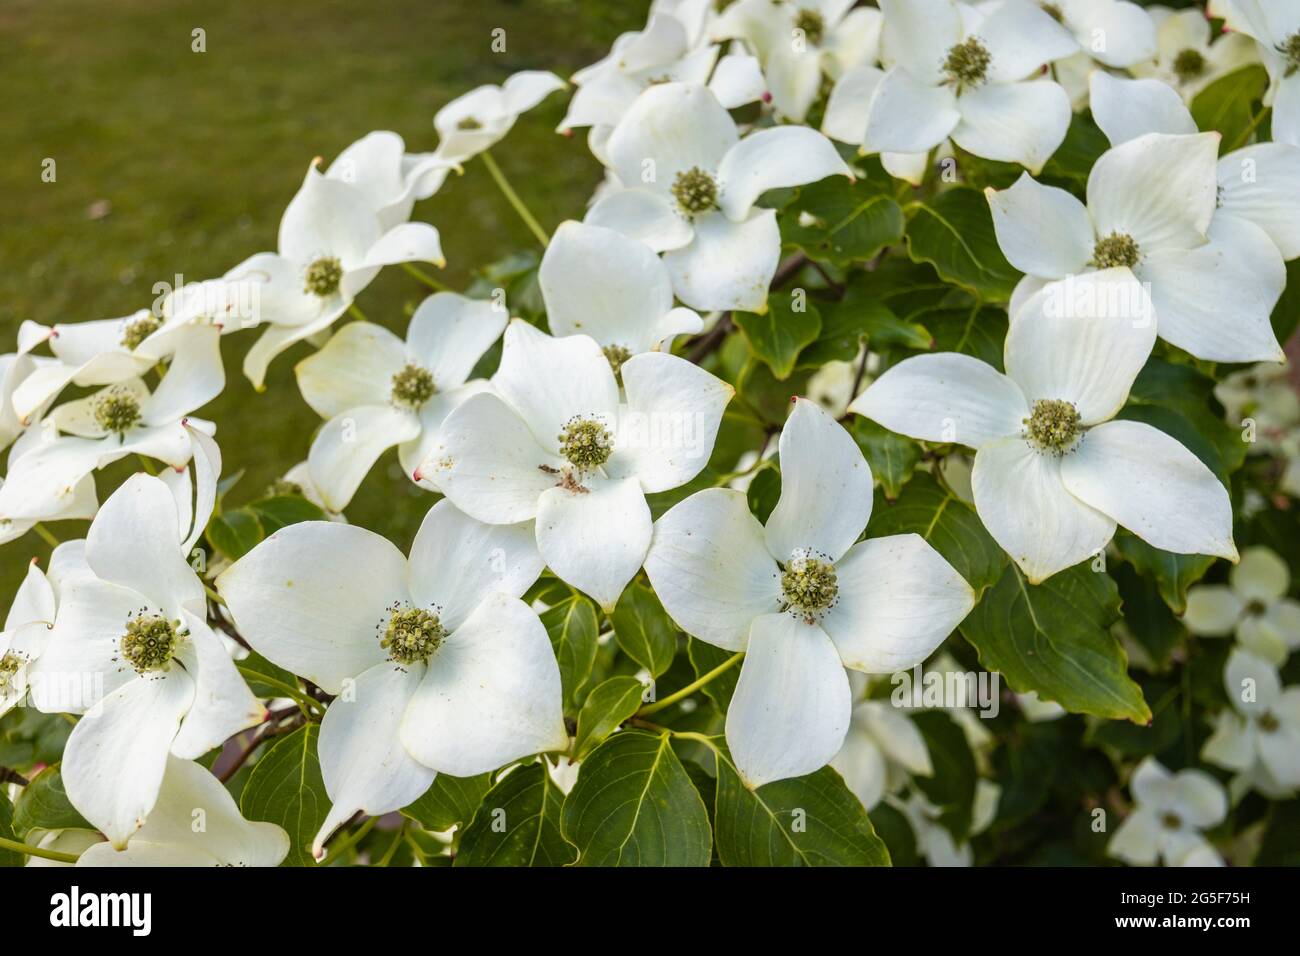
(711, 569)
(1158, 190)
(667, 428)
(1082, 340)
(1042, 230)
(825, 488)
(490, 694)
(1024, 504)
(729, 265)
(945, 398)
(791, 707)
(898, 599)
(595, 538)
(1153, 486)
(364, 765)
(314, 597)
(115, 757)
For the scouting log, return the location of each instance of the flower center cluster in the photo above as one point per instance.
(1171, 821)
(413, 386)
(967, 63)
(812, 25)
(1052, 425)
(9, 666)
(1188, 65)
(324, 276)
(1117, 249)
(412, 635)
(586, 443)
(809, 587)
(149, 643)
(116, 411)
(1268, 722)
(469, 123)
(695, 191)
(1290, 50)
(617, 355)
(137, 330)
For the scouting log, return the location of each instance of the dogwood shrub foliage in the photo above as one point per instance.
(893, 462)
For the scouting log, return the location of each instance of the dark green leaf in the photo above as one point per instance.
(1074, 158)
(1227, 105)
(235, 533)
(951, 788)
(8, 857)
(282, 510)
(949, 524)
(518, 824)
(892, 457)
(1148, 618)
(573, 629)
(635, 805)
(840, 221)
(1286, 314)
(286, 788)
(1173, 573)
(43, 804)
(644, 630)
(1054, 639)
(706, 658)
(779, 334)
(813, 820)
(449, 801)
(264, 678)
(954, 233)
(764, 492)
(605, 709)
(978, 332)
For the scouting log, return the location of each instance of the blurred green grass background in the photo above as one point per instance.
(176, 162)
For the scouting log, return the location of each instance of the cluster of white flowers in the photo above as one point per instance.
(436, 661)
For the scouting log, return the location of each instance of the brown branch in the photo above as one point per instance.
(12, 776)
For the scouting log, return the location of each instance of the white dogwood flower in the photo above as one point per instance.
(1115, 33)
(109, 351)
(959, 73)
(667, 50)
(1260, 734)
(481, 118)
(377, 391)
(801, 598)
(1151, 209)
(800, 42)
(26, 631)
(1053, 472)
(1259, 183)
(847, 110)
(601, 283)
(1169, 813)
(332, 244)
(194, 823)
(1188, 57)
(934, 842)
(131, 621)
(556, 443)
(86, 434)
(691, 184)
(391, 178)
(437, 664)
(1253, 605)
(882, 751)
